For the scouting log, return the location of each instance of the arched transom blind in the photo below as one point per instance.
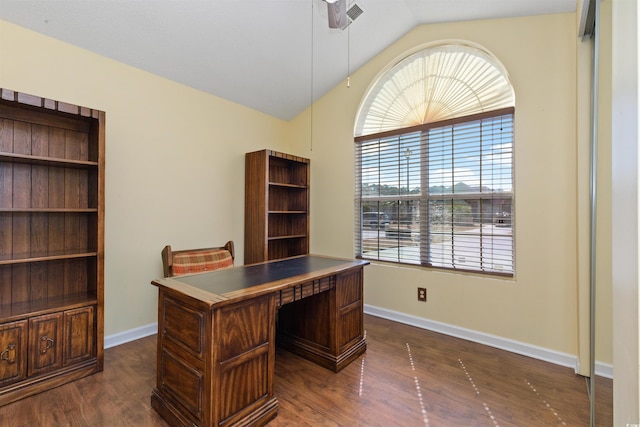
(435, 84)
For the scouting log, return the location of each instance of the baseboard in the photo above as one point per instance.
(540, 353)
(604, 370)
(130, 335)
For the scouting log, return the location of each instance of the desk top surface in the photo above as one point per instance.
(228, 280)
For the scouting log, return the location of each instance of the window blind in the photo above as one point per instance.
(439, 195)
(438, 83)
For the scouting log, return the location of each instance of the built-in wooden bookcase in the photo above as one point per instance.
(51, 243)
(276, 206)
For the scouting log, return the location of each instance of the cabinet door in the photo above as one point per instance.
(349, 308)
(78, 335)
(45, 343)
(13, 351)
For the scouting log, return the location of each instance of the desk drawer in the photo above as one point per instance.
(181, 382)
(305, 290)
(183, 326)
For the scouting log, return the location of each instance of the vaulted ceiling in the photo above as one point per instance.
(274, 56)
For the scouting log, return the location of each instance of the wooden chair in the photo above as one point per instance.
(177, 263)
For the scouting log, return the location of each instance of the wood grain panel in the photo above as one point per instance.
(287, 247)
(92, 282)
(243, 386)
(75, 276)
(5, 282)
(245, 356)
(39, 140)
(57, 137)
(39, 244)
(184, 326)
(93, 195)
(72, 195)
(349, 304)
(6, 185)
(83, 231)
(13, 352)
(45, 343)
(21, 186)
(325, 283)
(76, 145)
(39, 285)
(182, 382)
(13, 110)
(56, 235)
(350, 328)
(56, 174)
(286, 296)
(242, 327)
(287, 224)
(83, 189)
(21, 138)
(75, 227)
(6, 235)
(287, 199)
(78, 335)
(39, 233)
(56, 187)
(20, 280)
(255, 202)
(6, 135)
(40, 173)
(304, 290)
(349, 287)
(55, 275)
(288, 169)
(39, 187)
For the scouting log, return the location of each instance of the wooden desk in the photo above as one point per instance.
(217, 333)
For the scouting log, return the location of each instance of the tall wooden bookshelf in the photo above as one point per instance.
(51, 243)
(276, 223)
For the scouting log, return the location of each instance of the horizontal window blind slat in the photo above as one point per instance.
(464, 219)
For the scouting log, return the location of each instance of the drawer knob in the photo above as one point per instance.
(45, 344)
(9, 354)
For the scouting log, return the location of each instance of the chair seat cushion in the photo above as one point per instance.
(199, 261)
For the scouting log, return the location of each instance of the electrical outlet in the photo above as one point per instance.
(422, 294)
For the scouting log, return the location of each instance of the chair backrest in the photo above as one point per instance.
(177, 263)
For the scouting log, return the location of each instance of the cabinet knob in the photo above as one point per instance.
(45, 344)
(9, 354)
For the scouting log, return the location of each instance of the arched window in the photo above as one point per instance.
(434, 162)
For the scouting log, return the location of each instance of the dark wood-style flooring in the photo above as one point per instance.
(408, 377)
